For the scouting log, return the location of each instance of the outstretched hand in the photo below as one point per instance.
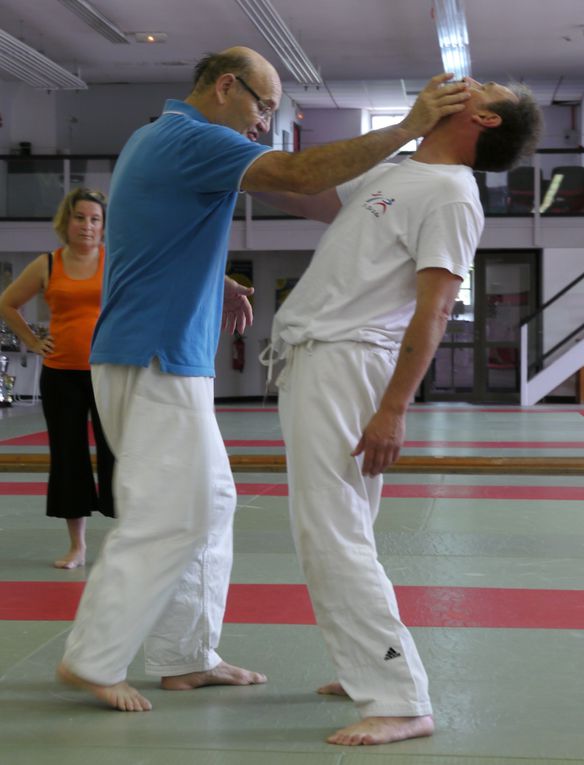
(237, 310)
(438, 99)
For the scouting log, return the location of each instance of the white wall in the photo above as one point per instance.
(323, 125)
(6, 102)
(562, 127)
(29, 115)
(106, 115)
(94, 121)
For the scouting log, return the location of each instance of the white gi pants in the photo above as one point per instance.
(164, 569)
(328, 393)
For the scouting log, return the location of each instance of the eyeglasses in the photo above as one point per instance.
(264, 109)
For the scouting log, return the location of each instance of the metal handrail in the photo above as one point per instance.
(557, 346)
(549, 302)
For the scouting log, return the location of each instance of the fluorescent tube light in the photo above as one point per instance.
(452, 37)
(270, 24)
(27, 64)
(96, 20)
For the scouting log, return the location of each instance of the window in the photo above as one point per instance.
(464, 305)
(465, 291)
(385, 120)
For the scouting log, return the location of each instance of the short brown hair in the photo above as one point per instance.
(67, 206)
(213, 65)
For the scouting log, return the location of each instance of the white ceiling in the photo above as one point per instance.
(369, 51)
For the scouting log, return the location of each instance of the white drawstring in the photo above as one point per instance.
(269, 356)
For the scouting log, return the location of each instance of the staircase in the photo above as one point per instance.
(552, 343)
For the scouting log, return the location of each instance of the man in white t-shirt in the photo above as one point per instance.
(359, 332)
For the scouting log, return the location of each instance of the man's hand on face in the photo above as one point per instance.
(439, 99)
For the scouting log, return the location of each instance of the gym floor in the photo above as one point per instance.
(488, 570)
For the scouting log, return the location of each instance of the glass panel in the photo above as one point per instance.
(94, 174)
(503, 376)
(30, 187)
(493, 189)
(507, 295)
(452, 370)
(561, 186)
(507, 304)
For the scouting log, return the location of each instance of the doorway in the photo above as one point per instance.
(478, 358)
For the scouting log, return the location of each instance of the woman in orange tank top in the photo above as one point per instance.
(70, 279)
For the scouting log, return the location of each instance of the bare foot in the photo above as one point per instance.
(383, 730)
(73, 559)
(119, 696)
(333, 689)
(222, 674)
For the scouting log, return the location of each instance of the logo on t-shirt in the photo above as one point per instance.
(378, 204)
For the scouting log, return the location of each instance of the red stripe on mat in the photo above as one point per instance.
(39, 439)
(398, 491)
(32, 439)
(439, 491)
(290, 604)
(23, 488)
(498, 444)
(442, 444)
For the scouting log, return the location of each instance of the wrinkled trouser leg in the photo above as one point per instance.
(164, 569)
(328, 393)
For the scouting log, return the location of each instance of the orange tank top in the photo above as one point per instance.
(74, 305)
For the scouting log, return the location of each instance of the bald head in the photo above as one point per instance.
(239, 60)
(257, 62)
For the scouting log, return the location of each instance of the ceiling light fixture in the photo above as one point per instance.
(452, 36)
(27, 64)
(270, 24)
(96, 20)
(150, 37)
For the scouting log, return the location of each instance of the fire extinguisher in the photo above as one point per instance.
(238, 355)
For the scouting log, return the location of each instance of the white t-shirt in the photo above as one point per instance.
(395, 220)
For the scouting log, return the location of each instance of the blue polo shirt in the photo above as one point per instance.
(170, 208)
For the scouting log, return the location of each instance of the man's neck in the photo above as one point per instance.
(447, 147)
(203, 105)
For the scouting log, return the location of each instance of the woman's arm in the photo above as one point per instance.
(31, 282)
